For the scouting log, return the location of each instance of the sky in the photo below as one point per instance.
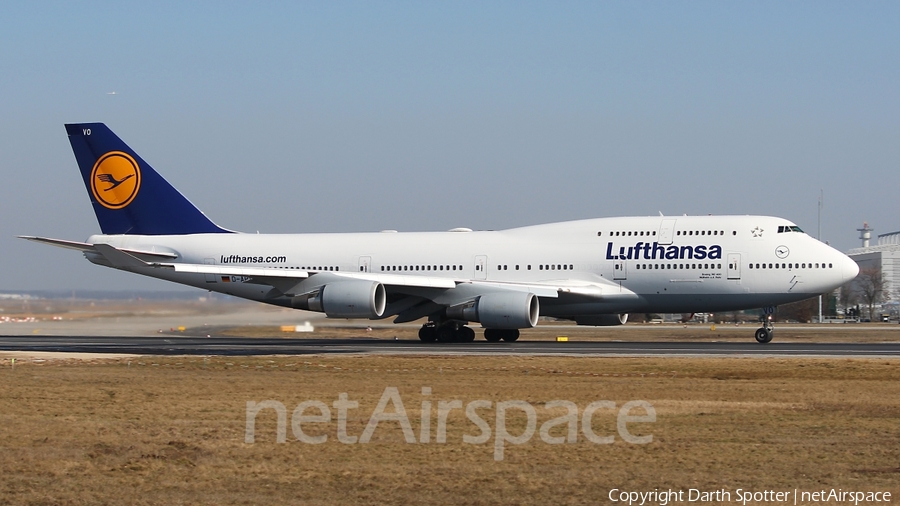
(291, 117)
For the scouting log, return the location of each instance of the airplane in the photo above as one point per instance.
(593, 271)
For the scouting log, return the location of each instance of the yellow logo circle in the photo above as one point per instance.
(115, 180)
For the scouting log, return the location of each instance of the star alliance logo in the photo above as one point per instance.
(757, 232)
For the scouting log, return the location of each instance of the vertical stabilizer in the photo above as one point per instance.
(128, 196)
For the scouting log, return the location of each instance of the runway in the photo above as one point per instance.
(235, 346)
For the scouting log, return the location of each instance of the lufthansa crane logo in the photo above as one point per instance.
(115, 180)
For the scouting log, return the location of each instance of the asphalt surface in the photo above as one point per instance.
(234, 346)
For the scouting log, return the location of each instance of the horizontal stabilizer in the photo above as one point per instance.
(118, 258)
(86, 246)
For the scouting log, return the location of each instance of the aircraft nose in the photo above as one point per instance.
(849, 268)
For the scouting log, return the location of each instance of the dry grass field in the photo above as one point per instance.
(170, 430)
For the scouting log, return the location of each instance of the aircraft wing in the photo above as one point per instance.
(438, 291)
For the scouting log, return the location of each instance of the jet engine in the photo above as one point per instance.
(345, 299)
(602, 320)
(502, 310)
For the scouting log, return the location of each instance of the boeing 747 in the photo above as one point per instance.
(593, 272)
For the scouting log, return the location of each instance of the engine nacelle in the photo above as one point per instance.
(602, 320)
(504, 310)
(346, 299)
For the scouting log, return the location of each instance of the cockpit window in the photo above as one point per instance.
(788, 228)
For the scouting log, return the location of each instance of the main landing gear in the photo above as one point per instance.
(457, 332)
(764, 333)
(494, 335)
(447, 333)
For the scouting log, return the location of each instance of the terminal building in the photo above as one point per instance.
(884, 255)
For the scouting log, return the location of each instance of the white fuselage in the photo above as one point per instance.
(672, 264)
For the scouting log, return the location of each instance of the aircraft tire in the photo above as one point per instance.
(445, 335)
(465, 335)
(493, 335)
(763, 335)
(510, 335)
(427, 334)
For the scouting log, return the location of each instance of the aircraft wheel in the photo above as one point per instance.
(763, 335)
(510, 335)
(427, 334)
(466, 335)
(445, 335)
(493, 335)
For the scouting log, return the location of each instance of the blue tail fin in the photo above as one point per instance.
(128, 196)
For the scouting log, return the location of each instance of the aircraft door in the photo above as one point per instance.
(365, 264)
(481, 267)
(210, 277)
(734, 266)
(666, 231)
(620, 270)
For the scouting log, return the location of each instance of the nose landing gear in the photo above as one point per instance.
(764, 333)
